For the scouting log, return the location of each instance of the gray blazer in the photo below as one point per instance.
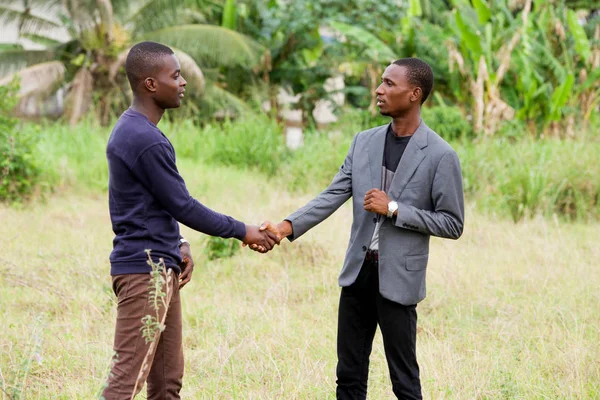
(428, 188)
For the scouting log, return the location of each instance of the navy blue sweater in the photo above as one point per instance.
(147, 197)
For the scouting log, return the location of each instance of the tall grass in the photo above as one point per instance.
(522, 179)
(515, 179)
(512, 310)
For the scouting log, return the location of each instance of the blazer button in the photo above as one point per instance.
(375, 220)
(364, 248)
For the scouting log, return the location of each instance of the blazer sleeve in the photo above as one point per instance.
(447, 218)
(329, 200)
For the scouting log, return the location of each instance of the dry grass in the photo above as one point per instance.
(513, 311)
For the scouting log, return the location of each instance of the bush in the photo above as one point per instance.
(72, 156)
(530, 177)
(251, 142)
(217, 247)
(447, 121)
(19, 171)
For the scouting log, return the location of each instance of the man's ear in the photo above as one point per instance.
(417, 94)
(150, 84)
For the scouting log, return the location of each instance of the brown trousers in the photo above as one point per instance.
(165, 375)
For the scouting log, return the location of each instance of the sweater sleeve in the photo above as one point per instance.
(155, 167)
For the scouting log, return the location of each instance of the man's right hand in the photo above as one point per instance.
(259, 239)
(281, 230)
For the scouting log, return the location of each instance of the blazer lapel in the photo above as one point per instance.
(376, 146)
(412, 157)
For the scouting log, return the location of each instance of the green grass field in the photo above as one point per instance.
(513, 310)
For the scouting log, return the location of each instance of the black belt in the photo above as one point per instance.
(372, 255)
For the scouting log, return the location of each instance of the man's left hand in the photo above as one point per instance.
(187, 265)
(377, 201)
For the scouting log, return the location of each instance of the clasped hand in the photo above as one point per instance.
(260, 238)
(275, 232)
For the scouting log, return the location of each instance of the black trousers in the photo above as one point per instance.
(361, 309)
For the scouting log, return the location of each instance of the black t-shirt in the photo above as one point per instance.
(394, 149)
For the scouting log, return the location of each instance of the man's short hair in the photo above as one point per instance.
(143, 60)
(419, 74)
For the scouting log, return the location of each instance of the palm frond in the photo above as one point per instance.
(27, 22)
(151, 15)
(218, 100)
(41, 4)
(191, 71)
(10, 46)
(211, 45)
(14, 60)
(156, 14)
(82, 13)
(80, 96)
(39, 80)
(41, 39)
(377, 50)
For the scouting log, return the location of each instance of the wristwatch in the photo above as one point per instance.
(392, 207)
(182, 241)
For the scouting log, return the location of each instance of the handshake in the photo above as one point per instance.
(262, 239)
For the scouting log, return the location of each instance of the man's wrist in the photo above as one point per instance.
(285, 228)
(183, 241)
(392, 209)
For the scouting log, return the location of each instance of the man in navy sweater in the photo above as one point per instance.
(147, 199)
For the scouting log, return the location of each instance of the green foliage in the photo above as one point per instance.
(582, 44)
(251, 142)
(19, 168)
(72, 156)
(220, 248)
(312, 166)
(528, 177)
(229, 15)
(375, 49)
(513, 176)
(448, 122)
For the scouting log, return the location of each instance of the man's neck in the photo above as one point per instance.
(406, 125)
(148, 108)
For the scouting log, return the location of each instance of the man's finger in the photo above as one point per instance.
(183, 283)
(185, 277)
(273, 236)
(268, 243)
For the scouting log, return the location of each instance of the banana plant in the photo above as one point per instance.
(557, 79)
(375, 53)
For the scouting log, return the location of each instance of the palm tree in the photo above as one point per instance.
(99, 33)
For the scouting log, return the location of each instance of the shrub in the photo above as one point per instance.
(448, 121)
(217, 247)
(19, 171)
(254, 141)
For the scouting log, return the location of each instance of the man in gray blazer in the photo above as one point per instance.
(406, 186)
